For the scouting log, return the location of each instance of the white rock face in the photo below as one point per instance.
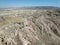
(41, 27)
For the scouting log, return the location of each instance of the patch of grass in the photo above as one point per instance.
(11, 19)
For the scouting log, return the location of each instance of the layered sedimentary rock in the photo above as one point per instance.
(30, 27)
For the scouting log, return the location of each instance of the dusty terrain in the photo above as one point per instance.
(29, 27)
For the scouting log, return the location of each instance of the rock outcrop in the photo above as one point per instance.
(30, 27)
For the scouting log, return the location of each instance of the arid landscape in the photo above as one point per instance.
(30, 26)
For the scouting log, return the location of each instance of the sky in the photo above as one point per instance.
(25, 3)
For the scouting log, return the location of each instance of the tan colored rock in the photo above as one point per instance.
(30, 27)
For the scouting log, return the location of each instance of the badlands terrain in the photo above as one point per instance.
(32, 26)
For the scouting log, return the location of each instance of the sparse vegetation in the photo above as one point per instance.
(30, 27)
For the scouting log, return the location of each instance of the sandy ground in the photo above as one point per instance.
(29, 27)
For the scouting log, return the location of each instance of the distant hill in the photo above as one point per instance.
(40, 7)
(34, 7)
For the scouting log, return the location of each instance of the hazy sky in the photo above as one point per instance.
(22, 3)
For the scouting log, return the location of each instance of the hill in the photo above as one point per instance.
(30, 26)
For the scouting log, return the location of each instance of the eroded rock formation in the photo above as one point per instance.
(30, 27)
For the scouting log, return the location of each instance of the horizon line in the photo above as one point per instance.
(30, 6)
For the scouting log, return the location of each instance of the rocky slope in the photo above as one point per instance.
(29, 27)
